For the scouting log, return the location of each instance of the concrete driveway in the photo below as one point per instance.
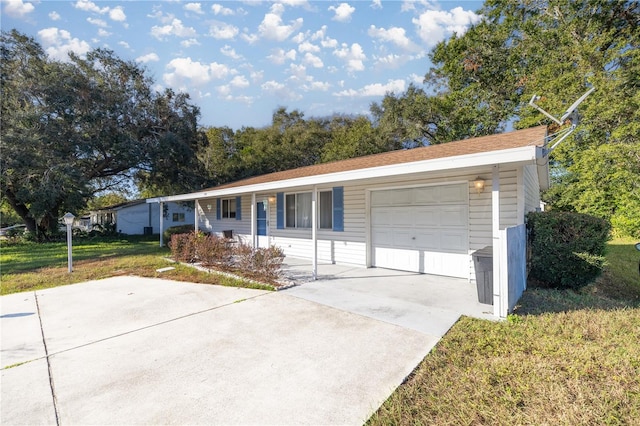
(130, 350)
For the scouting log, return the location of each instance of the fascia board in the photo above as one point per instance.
(525, 154)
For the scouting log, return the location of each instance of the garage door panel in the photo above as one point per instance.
(400, 197)
(426, 216)
(454, 193)
(427, 240)
(403, 238)
(454, 216)
(421, 229)
(454, 241)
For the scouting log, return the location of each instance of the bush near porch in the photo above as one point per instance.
(261, 263)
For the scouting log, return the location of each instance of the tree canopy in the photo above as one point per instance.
(78, 128)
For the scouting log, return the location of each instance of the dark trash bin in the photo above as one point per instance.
(483, 262)
(148, 230)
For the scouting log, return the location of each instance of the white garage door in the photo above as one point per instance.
(421, 229)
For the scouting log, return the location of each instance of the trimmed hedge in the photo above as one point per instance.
(567, 249)
(180, 229)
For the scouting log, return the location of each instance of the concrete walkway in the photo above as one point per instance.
(130, 350)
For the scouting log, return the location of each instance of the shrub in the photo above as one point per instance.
(262, 263)
(181, 229)
(567, 249)
(215, 251)
(183, 247)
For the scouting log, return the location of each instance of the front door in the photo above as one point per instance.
(261, 225)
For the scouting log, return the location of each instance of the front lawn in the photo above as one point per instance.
(32, 266)
(564, 357)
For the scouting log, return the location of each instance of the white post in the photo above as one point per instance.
(495, 235)
(161, 224)
(68, 220)
(196, 213)
(314, 226)
(254, 220)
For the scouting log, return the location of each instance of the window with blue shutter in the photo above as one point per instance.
(338, 208)
(238, 208)
(280, 210)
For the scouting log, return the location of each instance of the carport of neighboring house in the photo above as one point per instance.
(424, 210)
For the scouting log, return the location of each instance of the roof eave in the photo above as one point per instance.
(522, 155)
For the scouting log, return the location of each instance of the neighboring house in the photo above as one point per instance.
(425, 210)
(138, 217)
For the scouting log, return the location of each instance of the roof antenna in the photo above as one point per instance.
(571, 113)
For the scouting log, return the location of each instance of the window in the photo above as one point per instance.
(326, 210)
(229, 209)
(178, 217)
(298, 210)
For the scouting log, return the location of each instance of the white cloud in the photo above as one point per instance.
(189, 42)
(280, 90)
(185, 71)
(239, 81)
(97, 22)
(321, 86)
(218, 9)
(103, 33)
(343, 12)
(353, 56)
(376, 4)
(417, 79)
(17, 8)
(376, 89)
(313, 60)
(272, 27)
(299, 38)
(54, 16)
(250, 38)
(194, 7)
(295, 3)
(434, 25)
(308, 47)
(257, 76)
(89, 6)
(223, 31)
(58, 43)
(395, 35)
(149, 57)
(124, 44)
(175, 28)
(280, 56)
(117, 14)
(228, 51)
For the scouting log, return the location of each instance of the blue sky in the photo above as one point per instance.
(241, 60)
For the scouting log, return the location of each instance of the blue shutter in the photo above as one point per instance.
(338, 208)
(238, 208)
(280, 210)
(218, 209)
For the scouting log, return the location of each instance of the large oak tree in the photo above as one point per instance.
(77, 128)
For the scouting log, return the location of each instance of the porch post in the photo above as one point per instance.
(495, 237)
(254, 219)
(161, 223)
(196, 209)
(314, 226)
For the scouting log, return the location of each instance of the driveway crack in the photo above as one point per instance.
(46, 355)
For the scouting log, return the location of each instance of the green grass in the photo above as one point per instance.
(32, 266)
(564, 357)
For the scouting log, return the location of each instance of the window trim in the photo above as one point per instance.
(295, 211)
(181, 217)
(329, 212)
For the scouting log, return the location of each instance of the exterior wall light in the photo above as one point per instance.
(478, 184)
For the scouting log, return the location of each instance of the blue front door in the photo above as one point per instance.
(262, 219)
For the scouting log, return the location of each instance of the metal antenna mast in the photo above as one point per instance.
(571, 113)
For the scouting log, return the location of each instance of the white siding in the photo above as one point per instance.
(531, 188)
(350, 246)
(132, 220)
